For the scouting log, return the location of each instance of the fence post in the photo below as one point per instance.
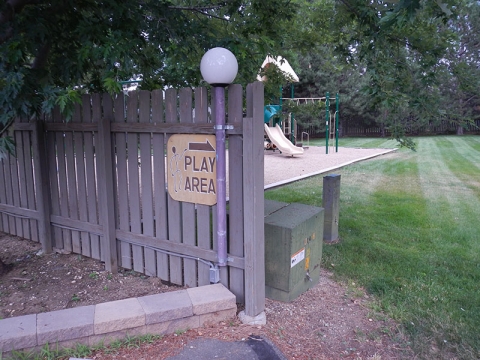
(331, 204)
(253, 183)
(43, 186)
(105, 193)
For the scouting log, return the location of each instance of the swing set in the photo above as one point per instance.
(331, 119)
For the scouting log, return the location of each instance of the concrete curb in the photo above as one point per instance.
(110, 321)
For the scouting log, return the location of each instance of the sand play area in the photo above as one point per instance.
(281, 169)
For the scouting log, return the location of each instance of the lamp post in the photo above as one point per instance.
(219, 68)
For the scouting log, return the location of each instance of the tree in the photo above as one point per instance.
(459, 70)
(52, 51)
(393, 46)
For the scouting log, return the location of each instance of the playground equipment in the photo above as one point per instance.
(331, 120)
(273, 113)
(276, 136)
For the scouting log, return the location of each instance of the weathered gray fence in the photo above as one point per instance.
(96, 186)
(444, 127)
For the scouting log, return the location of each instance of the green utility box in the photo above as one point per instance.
(293, 249)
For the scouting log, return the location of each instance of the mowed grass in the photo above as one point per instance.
(410, 235)
(383, 143)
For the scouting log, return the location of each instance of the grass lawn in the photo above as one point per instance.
(410, 235)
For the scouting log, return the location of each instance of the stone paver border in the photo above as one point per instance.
(106, 322)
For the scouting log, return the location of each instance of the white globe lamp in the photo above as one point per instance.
(219, 67)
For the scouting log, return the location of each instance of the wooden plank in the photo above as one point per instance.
(174, 247)
(54, 192)
(106, 186)
(204, 231)
(92, 188)
(253, 202)
(153, 127)
(81, 138)
(133, 181)
(20, 212)
(72, 185)
(62, 180)
(29, 176)
(81, 181)
(15, 192)
(22, 151)
(76, 224)
(235, 204)
(160, 195)
(8, 191)
(25, 125)
(176, 128)
(72, 126)
(42, 184)
(174, 208)
(3, 200)
(122, 187)
(188, 209)
(88, 103)
(146, 181)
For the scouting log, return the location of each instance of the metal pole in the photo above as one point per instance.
(292, 119)
(327, 119)
(337, 103)
(221, 175)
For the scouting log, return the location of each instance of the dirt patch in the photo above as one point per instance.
(330, 321)
(39, 282)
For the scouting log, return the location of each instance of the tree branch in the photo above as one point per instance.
(201, 10)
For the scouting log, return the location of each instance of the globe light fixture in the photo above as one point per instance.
(219, 67)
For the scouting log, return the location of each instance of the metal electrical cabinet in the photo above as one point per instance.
(293, 248)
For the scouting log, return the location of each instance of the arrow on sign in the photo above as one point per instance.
(198, 146)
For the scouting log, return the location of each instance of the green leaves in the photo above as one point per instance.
(7, 146)
(66, 101)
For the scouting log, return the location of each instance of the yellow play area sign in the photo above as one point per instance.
(192, 168)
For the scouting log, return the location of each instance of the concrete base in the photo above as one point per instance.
(260, 319)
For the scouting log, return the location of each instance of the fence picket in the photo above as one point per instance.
(133, 181)
(204, 231)
(106, 189)
(125, 252)
(54, 192)
(253, 202)
(89, 175)
(43, 187)
(62, 180)
(146, 180)
(160, 195)
(90, 158)
(235, 156)
(188, 209)
(72, 185)
(21, 154)
(174, 208)
(4, 225)
(81, 182)
(30, 191)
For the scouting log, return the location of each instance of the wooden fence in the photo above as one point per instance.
(442, 128)
(96, 186)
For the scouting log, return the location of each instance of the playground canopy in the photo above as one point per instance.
(282, 64)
